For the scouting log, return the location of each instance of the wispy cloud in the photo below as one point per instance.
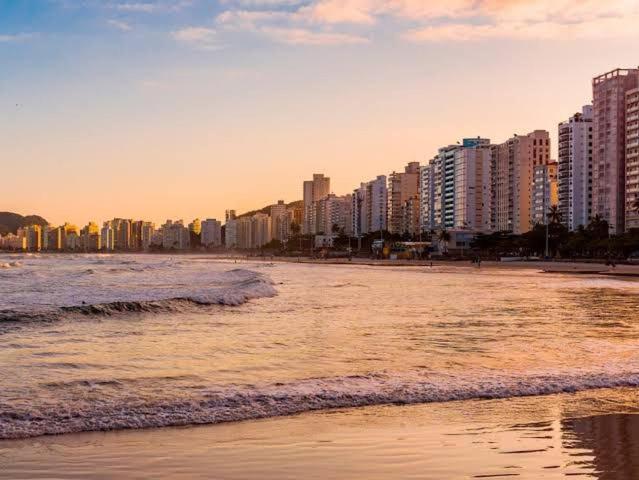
(199, 37)
(301, 36)
(120, 25)
(18, 37)
(294, 27)
(152, 7)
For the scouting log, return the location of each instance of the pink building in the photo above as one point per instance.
(609, 144)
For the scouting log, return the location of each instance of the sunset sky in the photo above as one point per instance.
(184, 108)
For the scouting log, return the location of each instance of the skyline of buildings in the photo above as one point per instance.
(474, 185)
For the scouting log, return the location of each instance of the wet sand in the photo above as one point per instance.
(592, 434)
(538, 265)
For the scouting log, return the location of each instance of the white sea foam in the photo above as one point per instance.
(251, 402)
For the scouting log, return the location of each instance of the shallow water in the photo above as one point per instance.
(119, 342)
(525, 438)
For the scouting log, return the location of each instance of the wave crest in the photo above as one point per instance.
(253, 402)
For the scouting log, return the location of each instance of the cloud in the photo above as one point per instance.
(199, 37)
(538, 19)
(300, 36)
(351, 21)
(123, 26)
(152, 7)
(18, 37)
(250, 19)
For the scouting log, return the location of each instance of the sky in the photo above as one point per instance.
(185, 108)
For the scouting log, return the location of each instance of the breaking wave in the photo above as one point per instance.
(231, 288)
(252, 402)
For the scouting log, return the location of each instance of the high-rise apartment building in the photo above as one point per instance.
(632, 158)
(107, 237)
(610, 97)
(544, 192)
(90, 239)
(402, 187)
(574, 177)
(314, 190)
(175, 236)
(211, 233)
(426, 196)
(230, 232)
(472, 186)
(260, 230)
(456, 188)
(369, 207)
(280, 221)
(512, 164)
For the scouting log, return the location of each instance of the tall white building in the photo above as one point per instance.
(455, 187)
(211, 233)
(544, 192)
(632, 158)
(574, 177)
(369, 211)
(472, 200)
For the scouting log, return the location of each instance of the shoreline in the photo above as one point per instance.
(577, 267)
(534, 437)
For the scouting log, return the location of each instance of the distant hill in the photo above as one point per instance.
(10, 222)
(267, 209)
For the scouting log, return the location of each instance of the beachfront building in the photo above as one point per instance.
(107, 237)
(90, 239)
(211, 233)
(544, 192)
(175, 236)
(334, 214)
(610, 97)
(313, 191)
(632, 158)
(427, 196)
(472, 197)
(402, 187)
(260, 230)
(456, 187)
(54, 238)
(244, 232)
(280, 221)
(574, 177)
(369, 206)
(230, 233)
(512, 164)
(13, 242)
(32, 236)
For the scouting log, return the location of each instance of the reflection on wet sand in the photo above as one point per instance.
(606, 445)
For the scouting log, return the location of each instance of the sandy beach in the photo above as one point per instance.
(577, 267)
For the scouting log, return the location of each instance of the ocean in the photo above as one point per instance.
(94, 343)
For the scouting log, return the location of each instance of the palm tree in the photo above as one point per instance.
(554, 215)
(635, 204)
(444, 237)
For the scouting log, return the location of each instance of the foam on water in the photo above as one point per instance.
(229, 404)
(91, 285)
